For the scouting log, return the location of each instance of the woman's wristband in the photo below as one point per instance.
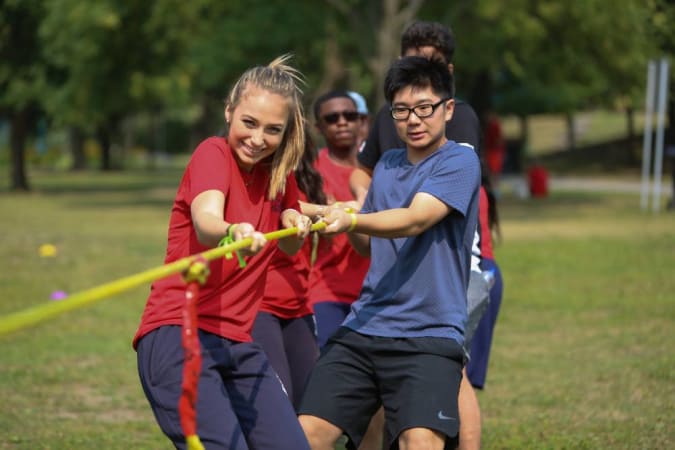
(229, 231)
(353, 224)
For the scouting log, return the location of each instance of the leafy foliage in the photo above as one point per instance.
(551, 56)
(90, 65)
(119, 58)
(23, 72)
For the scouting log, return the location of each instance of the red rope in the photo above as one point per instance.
(193, 362)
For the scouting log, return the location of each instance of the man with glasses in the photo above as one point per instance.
(434, 41)
(400, 347)
(337, 274)
(431, 40)
(421, 111)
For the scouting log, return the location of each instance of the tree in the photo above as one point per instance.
(238, 34)
(118, 59)
(664, 34)
(23, 75)
(374, 34)
(552, 56)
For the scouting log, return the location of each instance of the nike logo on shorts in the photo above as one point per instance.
(444, 417)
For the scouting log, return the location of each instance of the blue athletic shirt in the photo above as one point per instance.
(416, 286)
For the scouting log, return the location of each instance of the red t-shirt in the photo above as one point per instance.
(229, 300)
(338, 273)
(484, 223)
(287, 282)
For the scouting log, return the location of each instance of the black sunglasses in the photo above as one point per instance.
(333, 118)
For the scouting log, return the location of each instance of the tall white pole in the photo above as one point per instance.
(647, 139)
(660, 122)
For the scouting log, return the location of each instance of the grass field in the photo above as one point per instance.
(582, 359)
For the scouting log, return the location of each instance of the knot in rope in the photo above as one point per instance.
(197, 271)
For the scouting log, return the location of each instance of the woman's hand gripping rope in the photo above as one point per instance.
(339, 219)
(196, 275)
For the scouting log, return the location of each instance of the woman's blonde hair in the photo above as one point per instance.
(279, 78)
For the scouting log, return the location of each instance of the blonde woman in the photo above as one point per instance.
(240, 186)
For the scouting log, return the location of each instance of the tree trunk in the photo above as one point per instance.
(394, 18)
(571, 132)
(103, 137)
(524, 130)
(128, 139)
(77, 149)
(389, 17)
(632, 143)
(630, 125)
(18, 132)
(481, 95)
(670, 131)
(158, 149)
(670, 145)
(521, 150)
(333, 66)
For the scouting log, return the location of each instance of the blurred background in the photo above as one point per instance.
(103, 101)
(112, 84)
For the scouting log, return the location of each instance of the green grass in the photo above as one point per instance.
(71, 382)
(583, 350)
(582, 357)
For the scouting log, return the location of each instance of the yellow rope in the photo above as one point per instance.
(31, 316)
(193, 442)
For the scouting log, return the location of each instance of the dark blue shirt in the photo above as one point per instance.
(416, 286)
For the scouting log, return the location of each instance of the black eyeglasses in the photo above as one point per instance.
(422, 111)
(333, 118)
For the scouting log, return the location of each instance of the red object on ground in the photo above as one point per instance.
(538, 181)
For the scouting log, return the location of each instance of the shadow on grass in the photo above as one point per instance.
(138, 202)
(101, 189)
(91, 182)
(95, 189)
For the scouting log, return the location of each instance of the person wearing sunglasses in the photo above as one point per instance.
(337, 274)
(362, 108)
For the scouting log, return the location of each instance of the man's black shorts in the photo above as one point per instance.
(415, 379)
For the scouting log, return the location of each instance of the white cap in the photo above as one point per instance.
(361, 106)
